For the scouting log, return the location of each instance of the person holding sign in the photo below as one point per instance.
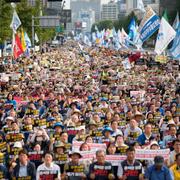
(120, 145)
(74, 170)
(146, 137)
(101, 169)
(132, 132)
(130, 169)
(48, 170)
(60, 155)
(10, 101)
(24, 168)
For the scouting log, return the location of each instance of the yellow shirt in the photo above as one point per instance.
(176, 172)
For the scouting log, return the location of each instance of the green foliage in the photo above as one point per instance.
(46, 34)
(25, 13)
(106, 24)
(5, 20)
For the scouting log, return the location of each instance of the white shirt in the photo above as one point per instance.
(117, 132)
(128, 130)
(42, 169)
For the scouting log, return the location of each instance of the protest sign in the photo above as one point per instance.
(137, 94)
(35, 156)
(161, 59)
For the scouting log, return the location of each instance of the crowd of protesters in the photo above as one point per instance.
(79, 94)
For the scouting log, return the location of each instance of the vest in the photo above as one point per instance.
(132, 171)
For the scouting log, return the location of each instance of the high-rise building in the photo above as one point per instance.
(54, 5)
(110, 11)
(78, 5)
(121, 8)
(33, 2)
(86, 19)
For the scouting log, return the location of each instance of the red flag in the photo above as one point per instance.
(134, 57)
(17, 49)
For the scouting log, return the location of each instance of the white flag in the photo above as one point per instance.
(140, 5)
(123, 35)
(176, 22)
(15, 23)
(36, 38)
(119, 36)
(165, 35)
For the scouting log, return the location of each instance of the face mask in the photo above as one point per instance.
(39, 139)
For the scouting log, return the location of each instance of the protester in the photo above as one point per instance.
(158, 170)
(24, 168)
(75, 170)
(176, 146)
(130, 168)
(81, 98)
(48, 169)
(101, 169)
(145, 138)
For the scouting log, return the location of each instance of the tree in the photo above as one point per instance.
(5, 20)
(25, 13)
(105, 24)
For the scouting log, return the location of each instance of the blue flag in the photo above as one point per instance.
(149, 24)
(175, 50)
(132, 30)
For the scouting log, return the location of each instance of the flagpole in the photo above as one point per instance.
(13, 33)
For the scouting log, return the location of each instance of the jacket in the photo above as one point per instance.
(31, 171)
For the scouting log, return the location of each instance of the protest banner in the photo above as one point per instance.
(94, 146)
(115, 159)
(146, 154)
(141, 154)
(137, 94)
(88, 155)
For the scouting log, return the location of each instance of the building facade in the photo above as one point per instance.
(80, 5)
(121, 8)
(132, 5)
(110, 11)
(93, 7)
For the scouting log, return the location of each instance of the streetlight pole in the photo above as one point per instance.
(33, 31)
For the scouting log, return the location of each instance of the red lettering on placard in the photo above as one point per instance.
(101, 172)
(131, 173)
